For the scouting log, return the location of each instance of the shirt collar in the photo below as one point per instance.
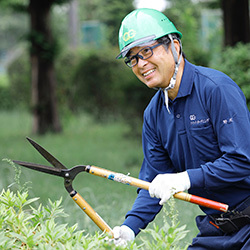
(187, 80)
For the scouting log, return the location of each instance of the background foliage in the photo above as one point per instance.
(91, 81)
(186, 16)
(83, 141)
(88, 80)
(235, 62)
(109, 12)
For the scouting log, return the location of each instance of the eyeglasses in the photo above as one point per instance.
(143, 54)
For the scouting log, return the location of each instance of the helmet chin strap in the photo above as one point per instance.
(177, 64)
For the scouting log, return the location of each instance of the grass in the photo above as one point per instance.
(83, 141)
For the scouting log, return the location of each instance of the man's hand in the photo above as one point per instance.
(165, 185)
(122, 235)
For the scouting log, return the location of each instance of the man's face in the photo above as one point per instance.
(157, 70)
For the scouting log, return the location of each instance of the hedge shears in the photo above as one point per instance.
(69, 175)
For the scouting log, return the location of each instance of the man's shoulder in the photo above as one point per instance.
(211, 76)
(210, 82)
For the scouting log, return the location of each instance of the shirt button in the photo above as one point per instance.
(178, 116)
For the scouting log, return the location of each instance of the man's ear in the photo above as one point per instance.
(177, 46)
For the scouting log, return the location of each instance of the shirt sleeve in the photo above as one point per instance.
(230, 118)
(155, 161)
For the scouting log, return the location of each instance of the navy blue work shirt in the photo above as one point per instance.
(207, 133)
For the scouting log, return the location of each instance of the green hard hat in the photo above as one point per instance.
(142, 26)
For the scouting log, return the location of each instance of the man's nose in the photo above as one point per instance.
(142, 62)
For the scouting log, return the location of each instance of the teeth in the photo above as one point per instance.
(149, 72)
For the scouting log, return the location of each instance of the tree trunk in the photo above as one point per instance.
(236, 21)
(44, 104)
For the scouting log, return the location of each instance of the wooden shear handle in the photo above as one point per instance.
(125, 179)
(94, 216)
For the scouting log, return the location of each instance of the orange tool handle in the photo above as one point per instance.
(92, 213)
(202, 201)
(125, 179)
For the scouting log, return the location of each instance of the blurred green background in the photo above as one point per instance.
(83, 141)
(100, 101)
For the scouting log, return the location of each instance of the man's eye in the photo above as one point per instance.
(146, 51)
(133, 58)
(129, 58)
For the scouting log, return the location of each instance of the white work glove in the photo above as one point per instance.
(122, 235)
(165, 185)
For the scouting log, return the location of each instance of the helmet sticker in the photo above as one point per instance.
(128, 35)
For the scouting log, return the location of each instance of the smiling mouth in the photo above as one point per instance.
(149, 72)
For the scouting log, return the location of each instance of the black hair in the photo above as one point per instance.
(165, 40)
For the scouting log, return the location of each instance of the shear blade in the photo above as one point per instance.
(41, 168)
(50, 158)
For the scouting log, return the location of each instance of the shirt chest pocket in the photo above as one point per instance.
(204, 142)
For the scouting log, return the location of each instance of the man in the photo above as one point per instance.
(196, 135)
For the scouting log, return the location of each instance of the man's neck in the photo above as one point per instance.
(172, 93)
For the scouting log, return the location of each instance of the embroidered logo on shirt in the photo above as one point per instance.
(192, 117)
(228, 121)
(201, 121)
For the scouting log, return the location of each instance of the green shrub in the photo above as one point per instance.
(5, 98)
(23, 226)
(65, 70)
(235, 62)
(89, 80)
(26, 224)
(94, 81)
(170, 235)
